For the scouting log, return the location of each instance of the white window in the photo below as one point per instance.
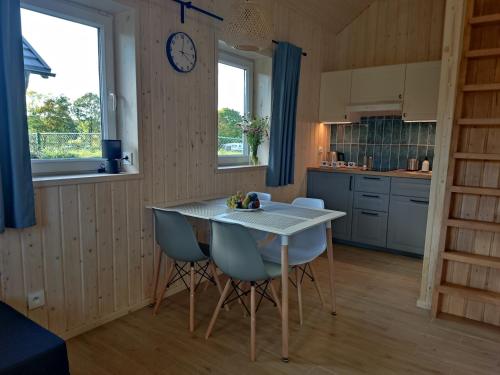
(69, 113)
(235, 78)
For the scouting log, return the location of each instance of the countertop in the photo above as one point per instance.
(357, 170)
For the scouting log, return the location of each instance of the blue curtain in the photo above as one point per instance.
(285, 89)
(17, 209)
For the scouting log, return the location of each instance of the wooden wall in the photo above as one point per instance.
(390, 32)
(92, 250)
(468, 280)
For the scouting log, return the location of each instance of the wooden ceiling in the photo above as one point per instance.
(333, 14)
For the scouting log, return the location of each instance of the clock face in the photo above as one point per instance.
(181, 52)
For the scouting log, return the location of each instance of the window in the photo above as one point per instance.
(69, 85)
(235, 78)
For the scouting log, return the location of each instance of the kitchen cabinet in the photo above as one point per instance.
(407, 224)
(369, 227)
(336, 189)
(421, 91)
(383, 211)
(378, 85)
(335, 96)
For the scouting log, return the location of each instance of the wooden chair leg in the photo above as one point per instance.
(217, 308)
(157, 274)
(317, 285)
(252, 322)
(192, 285)
(275, 297)
(159, 299)
(213, 270)
(298, 282)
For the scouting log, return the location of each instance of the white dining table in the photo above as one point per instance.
(281, 219)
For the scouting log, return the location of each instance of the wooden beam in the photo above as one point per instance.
(476, 156)
(486, 52)
(473, 225)
(481, 87)
(475, 190)
(481, 20)
(469, 258)
(474, 294)
(479, 121)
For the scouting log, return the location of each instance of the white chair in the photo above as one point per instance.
(303, 248)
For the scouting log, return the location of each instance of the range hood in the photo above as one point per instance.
(383, 107)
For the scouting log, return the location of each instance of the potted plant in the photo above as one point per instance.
(255, 129)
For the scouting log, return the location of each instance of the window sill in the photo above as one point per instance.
(74, 179)
(240, 168)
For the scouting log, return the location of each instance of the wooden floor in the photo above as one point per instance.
(378, 330)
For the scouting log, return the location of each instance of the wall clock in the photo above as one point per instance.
(181, 52)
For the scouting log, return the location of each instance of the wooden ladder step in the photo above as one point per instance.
(476, 259)
(479, 121)
(486, 52)
(476, 156)
(475, 190)
(481, 87)
(474, 294)
(482, 20)
(473, 225)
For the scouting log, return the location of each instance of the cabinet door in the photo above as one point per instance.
(369, 227)
(336, 189)
(407, 224)
(380, 84)
(334, 96)
(421, 91)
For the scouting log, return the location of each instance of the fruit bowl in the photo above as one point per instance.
(241, 202)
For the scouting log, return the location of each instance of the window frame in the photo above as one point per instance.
(240, 62)
(104, 23)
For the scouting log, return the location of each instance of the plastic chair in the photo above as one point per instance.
(235, 252)
(178, 242)
(303, 248)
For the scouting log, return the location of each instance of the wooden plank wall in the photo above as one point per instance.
(92, 249)
(390, 32)
(468, 280)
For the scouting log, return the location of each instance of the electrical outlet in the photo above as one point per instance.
(128, 158)
(36, 299)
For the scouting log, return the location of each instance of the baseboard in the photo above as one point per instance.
(115, 315)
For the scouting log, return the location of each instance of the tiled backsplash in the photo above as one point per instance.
(388, 139)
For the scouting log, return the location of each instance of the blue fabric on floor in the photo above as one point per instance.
(27, 348)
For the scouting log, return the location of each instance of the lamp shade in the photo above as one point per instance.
(247, 28)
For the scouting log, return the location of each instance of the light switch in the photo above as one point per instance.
(36, 299)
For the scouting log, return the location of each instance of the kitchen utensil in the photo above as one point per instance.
(336, 156)
(412, 164)
(425, 165)
(369, 164)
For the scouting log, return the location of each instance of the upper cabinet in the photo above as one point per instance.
(421, 91)
(412, 89)
(378, 85)
(335, 94)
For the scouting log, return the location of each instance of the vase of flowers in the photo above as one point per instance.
(255, 130)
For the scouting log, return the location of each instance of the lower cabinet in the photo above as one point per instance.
(336, 189)
(369, 227)
(407, 223)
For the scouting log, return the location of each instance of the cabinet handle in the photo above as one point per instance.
(419, 201)
(350, 183)
(370, 196)
(400, 96)
(369, 213)
(345, 117)
(371, 178)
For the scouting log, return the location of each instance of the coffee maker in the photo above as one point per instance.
(112, 152)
